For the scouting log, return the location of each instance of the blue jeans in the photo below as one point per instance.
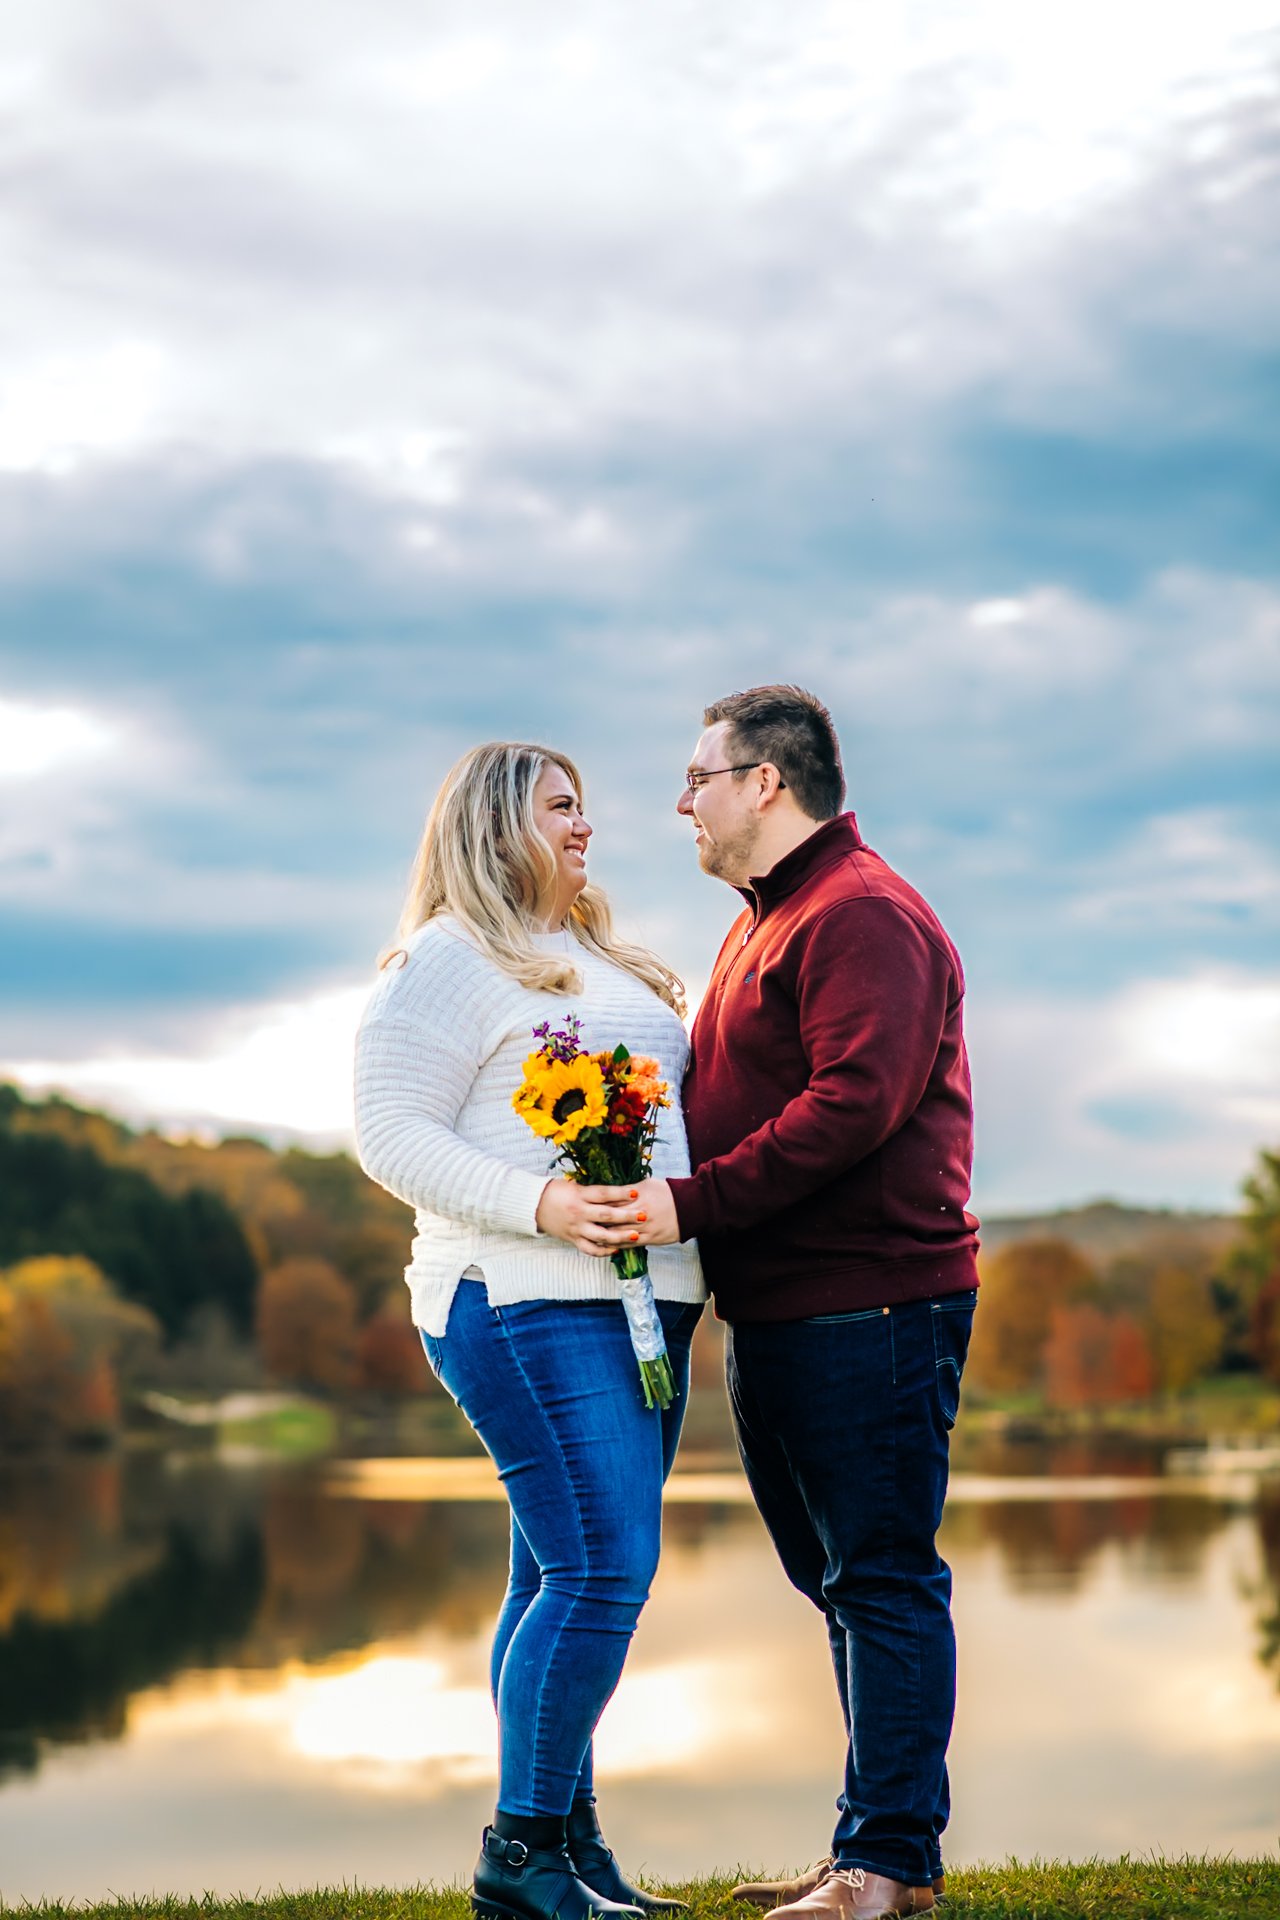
(553, 1390)
(842, 1424)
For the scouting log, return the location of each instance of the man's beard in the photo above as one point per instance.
(730, 859)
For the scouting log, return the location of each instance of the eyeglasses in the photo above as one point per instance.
(701, 775)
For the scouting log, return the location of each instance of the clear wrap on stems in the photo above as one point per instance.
(600, 1110)
(632, 1266)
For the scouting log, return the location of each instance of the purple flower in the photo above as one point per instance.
(562, 1043)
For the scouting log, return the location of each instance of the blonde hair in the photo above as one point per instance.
(483, 860)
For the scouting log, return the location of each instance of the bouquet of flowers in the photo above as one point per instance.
(601, 1111)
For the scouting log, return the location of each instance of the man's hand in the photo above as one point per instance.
(595, 1220)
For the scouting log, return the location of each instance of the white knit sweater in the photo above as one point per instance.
(441, 1050)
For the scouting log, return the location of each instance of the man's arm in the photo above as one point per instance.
(872, 998)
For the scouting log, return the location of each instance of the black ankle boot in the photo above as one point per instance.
(516, 1882)
(594, 1863)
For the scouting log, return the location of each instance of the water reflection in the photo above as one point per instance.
(1056, 1546)
(98, 1607)
(243, 1678)
(1268, 1588)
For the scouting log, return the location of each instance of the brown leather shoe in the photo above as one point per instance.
(770, 1894)
(851, 1893)
(767, 1894)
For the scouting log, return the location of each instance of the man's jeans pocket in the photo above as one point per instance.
(952, 1320)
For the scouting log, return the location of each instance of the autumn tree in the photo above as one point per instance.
(1184, 1330)
(306, 1324)
(1246, 1288)
(100, 1324)
(1022, 1284)
(1264, 1327)
(389, 1356)
(1132, 1365)
(1257, 1252)
(168, 1253)
(69, 1338)
(1096, 1359)
(38, 1373)
(154, 1212)
(1076, 1356)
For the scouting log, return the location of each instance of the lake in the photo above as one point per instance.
(235, 1676)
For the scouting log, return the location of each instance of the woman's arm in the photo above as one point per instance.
(410, 1086)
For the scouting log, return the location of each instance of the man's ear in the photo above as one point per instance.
(771, 783)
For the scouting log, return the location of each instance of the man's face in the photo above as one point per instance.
(722, 808)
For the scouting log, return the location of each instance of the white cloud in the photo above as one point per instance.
(57, 413)
(618, 313)
(1159, 1092)
(1051, 689)
(282, 1067)
(1215, 1032)
(39, 740)
(575, 223)
(85, 776)
(1179, 870)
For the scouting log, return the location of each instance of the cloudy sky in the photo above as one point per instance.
(376, 380)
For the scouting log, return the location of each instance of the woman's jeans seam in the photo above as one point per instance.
(561, 1624)
(553, 1390)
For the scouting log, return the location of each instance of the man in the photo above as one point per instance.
(830, 1129)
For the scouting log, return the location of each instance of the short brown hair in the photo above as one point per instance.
(793, 731)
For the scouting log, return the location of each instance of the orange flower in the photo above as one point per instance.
(645, 1078)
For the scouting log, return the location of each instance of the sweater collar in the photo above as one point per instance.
(826, 844)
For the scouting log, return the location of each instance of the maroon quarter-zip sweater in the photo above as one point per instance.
(827, 1097)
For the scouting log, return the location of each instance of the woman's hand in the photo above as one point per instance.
(595, 1220)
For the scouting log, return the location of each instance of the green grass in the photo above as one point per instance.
(292, 1432)
(1096, 1890)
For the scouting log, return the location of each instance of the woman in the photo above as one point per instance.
(511, 1283)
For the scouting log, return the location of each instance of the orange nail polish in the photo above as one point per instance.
(634, 1194)
(642, 1217)
(635, 1236)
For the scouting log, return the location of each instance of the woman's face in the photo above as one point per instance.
(557, 813)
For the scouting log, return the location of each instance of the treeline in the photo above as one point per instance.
(1080, 1331)
(130, 1260)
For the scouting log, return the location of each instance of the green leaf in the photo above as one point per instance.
(620, 1054)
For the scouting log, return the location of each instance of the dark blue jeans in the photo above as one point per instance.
(842, 1424)
(553, 1390)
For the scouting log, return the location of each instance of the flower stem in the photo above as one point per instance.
(656, 1379)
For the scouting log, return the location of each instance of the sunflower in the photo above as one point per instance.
(561, 1098)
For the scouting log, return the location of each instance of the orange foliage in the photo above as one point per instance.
(38, 1374)
(306, 1323)
(1094, 1359)
(1022, 1287)
(1133, 1370)
(389, 1356)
